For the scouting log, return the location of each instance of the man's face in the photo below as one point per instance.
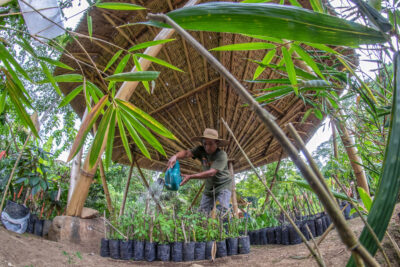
(210, 145)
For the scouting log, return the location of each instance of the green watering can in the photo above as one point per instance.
(173, 177)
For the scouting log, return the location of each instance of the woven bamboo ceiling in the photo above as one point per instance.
(188, 102)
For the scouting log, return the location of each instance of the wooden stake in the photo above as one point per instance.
(234, 198)
(196, 197)
(121, 211)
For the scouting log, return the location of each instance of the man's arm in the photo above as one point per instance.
(201, 175)
(180, 155)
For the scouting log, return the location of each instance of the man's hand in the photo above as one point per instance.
(171, 162)
(186, 178)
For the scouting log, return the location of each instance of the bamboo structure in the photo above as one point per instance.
(187, 102)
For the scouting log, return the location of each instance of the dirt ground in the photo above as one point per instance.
(29, 250)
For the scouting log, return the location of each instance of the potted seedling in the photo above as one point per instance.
(199, 236)
(126, 245)
(221, 243)
(177, 245)
(140, 233)
(164, 227)
(233, 233)
(244, 239)
(104, 249)
(150, 246)
(115, 238)
(188, 246)
(212, 232)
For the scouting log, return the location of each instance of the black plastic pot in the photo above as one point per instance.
(285, 235)
(324, 226)
(163, 252)
(271, 235)
(38, 227)
(294, 237)
(221, 249)
(311, 225)
(244, 245)
(199, 251)
(278, 235)
(318, 227)
(328, 220)
(188, 251)
(209, 245)
(177, 251)
(253, 237)
(263, 236)
(126, 249)
(304, 231)
(31, 223)
(138, 250)
(150, 251)
(114, 248)
(104, 249)
(231, 246)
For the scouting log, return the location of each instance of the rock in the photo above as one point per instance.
(88, 213)
(73, 230)
(46, 227)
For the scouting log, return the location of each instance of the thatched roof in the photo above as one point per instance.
(188, 102)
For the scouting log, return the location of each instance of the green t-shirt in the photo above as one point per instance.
(219, 161)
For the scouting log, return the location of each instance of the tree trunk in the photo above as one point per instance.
(85, 179)
(75, 169)
(352, 153)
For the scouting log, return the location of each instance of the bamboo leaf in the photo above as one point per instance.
(3, 101)
(295, 3)
(70, 96)
(266, 38)
(5, 54)
(110, 139)
(90, 26)
(132, 131)
(279, 91)
(307, 58)
(283, 81)
(158, 61)
(119, 6)
(139, 68)
(389, 185)
(146, 134)
(286, 22)
(112, 60)
(245, 46)
(50, 78)
(149, 44)
(290, 69)
(86, 126)
(365, 198)
(317, 6)
(134, 76)
(266, 60)
(55, 63)
(65, 78)
(146, 119)
(318, 114)
(96, 89)
(123, 135)
(122, 64)
(99, 137)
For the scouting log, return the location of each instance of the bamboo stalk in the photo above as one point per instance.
(347, 236)
(121, 211)
(197, 196)
(234, 197)
(105, 187)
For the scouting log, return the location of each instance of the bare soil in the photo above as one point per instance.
(29, 250)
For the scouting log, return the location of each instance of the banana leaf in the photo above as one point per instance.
(389, 186)
(279, 21)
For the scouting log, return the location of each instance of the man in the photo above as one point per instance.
(215, 169)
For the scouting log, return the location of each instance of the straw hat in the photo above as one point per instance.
(211, 134)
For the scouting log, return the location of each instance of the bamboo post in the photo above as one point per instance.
(126, 90)
(352, 153)
(233, 197)
(121, 211)
(347, 236)
(75, 169)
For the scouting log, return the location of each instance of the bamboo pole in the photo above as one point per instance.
(75, 169)
(121, 211)
(105, 187)
(126, 90)
(197, 196)
(234, 198)
(352, 153)
(347, 236)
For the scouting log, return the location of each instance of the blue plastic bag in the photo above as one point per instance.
(173, 177)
